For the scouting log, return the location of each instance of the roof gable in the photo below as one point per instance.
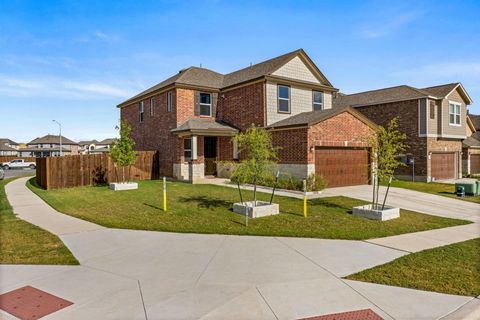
(296, 68)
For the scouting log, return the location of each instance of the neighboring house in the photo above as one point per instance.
(190, 119)
(8, 147)
(95, 147)
(49, 146)
(471, 146)
(434, 119)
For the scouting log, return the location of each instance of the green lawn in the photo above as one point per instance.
(441, 189)
(207, 209)
(24, 243)
(453, 269)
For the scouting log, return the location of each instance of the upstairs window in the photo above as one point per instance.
(141, 111)
(152, 107)
(187, 148)
(454, 113)
(206, 104)
(317, 100)
(283, 99)
(169, 101)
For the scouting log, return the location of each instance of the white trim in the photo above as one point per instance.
(431, 135)
(459, 104)
(463, 89)
(419, 133)
(194, 147)
(200, 104)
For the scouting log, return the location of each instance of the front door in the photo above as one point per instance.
(210, 150)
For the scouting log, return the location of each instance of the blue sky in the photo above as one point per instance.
(74, 61)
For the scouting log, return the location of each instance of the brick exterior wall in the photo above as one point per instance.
(343, 130)
(154, 132)
(407, 117)
(292, 144)
(243, 106)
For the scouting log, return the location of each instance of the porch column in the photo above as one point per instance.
(194, 147)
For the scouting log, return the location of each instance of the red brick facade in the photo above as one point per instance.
(243, 106)
(407, 115)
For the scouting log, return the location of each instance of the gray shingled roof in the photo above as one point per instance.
(475, 120)
(49, 138)
(204, 124)
(398, 93)
(402, 92)
(8, 141)
(82, 143)
(442, 90)
(202, 77)
(314, 117)
(471, 142)
(108, 141)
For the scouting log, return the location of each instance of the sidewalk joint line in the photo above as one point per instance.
(456, 309)
(211, 259)
(339, 278)
(143, 302)
(266, 302)
(382, 245)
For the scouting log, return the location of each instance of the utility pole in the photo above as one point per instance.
(60, 126)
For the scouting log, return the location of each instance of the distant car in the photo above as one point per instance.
(18, 164)
(2, 173)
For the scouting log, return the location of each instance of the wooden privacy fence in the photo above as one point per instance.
(94, 169)
(10, 158)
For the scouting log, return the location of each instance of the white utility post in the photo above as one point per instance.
(60, 126)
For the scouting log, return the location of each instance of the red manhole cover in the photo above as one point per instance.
(30, 303)
(366, 314)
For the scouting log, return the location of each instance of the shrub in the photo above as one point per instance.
(289, 182)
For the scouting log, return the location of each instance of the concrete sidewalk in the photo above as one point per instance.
(29, 207)
(132, 274)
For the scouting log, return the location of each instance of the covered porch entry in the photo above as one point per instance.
(203, 143)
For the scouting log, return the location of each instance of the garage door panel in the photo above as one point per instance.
(443, 166)
(475, 163)
(342, 166)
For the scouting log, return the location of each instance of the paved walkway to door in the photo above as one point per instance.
(130, 274)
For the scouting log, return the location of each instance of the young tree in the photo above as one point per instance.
(121, 151)
(260, 157)
(389, 145)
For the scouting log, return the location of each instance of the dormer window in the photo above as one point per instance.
(283, 99)
(317, 97)
(454, 113)
(206, 104)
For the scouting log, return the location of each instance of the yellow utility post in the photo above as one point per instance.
(305, 199)
(164, 194)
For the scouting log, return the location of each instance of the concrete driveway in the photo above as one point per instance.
(128, 274)
(414, 200)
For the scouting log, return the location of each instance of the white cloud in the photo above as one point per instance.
(65, 88)
(389, 26)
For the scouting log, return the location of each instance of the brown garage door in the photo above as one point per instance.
(475, 163)
(443, 166)
(342, 166)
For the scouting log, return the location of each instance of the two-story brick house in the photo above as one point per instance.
(190, 119)
(434, 119)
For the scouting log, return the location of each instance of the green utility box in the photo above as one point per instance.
(478, 188)
(470, 188)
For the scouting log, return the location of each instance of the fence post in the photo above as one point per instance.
(47, 173)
